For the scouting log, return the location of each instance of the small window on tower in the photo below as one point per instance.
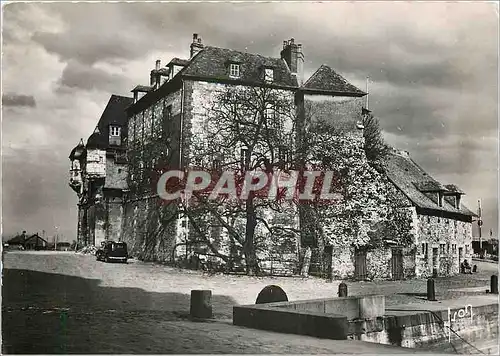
(114, 131)
(269, 75)
(234, 70)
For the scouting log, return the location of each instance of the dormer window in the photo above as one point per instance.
(114, 131)
(268, 74)
(115, 135)
(234, 70)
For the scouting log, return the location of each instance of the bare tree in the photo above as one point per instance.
(244, 129)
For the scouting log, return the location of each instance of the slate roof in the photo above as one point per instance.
(429, 186)
(409, 177)
(179, 62)
(213, 63)
(114, 113)
(326, 79)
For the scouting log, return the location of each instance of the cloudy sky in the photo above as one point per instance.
(433, 70)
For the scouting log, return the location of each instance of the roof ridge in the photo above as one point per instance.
(245, 53)
(328, 79)
(316, 71)
(121, 96)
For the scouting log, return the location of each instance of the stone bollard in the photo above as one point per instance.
(431, 291)
(494, 284)
(271, 294)
(342, 290)
(201, 304)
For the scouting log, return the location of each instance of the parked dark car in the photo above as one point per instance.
(111, 251)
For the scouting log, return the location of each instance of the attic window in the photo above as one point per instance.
(268, 74)
(114, 131)
(234, 70)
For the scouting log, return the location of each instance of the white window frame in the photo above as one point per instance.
(268, 74)
(234, 70)
(114, 131)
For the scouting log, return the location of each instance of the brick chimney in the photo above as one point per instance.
(196, 45)
(292, 54)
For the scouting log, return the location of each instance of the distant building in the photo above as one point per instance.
(33, 242)
(18, 240)
(485, 245)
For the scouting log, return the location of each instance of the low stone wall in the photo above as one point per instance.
(323, 318)
(267, 317)
(430, 330)
(365, 318)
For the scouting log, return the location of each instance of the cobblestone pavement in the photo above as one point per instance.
(59, 302)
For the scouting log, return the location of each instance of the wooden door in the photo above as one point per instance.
(397, 263)
(360, 272)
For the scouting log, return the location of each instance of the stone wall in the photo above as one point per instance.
(343, 262)
(153, 144)
(114, 218)
(422, 330)
(148, 230)
(278, 254)
(116, 174)
(343, 112)
(445, 236)
(95, 166)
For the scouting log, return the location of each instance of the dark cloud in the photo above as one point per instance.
(11, 99)
(84, 77)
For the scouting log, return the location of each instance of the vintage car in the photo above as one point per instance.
(111, 251)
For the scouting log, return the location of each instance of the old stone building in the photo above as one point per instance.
(168, 124)
(442, 225)
(410, 225)
(431, 236)
(98, 175)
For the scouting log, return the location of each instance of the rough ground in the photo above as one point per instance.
(61, 302)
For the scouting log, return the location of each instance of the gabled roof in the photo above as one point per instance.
(327, 80)
(213, 63)
(113, 114)
(35, 237)
(408, 176)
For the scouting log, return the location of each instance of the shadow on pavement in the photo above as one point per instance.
(56, 313)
